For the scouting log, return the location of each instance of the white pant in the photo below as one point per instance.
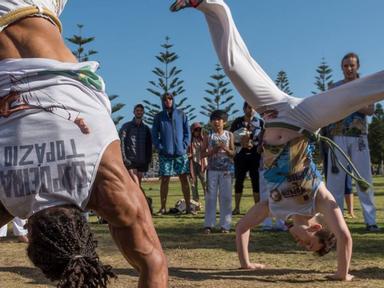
(357, 149)
(219, 184)
(254, 85)
(18, 228)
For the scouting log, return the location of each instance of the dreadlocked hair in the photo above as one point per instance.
(328, 239)
(62, 246)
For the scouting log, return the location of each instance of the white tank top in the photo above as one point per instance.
(13, 10)
(219, 161)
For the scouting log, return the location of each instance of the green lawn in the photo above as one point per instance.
(198, 260)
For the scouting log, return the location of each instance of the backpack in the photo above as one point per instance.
(180, 207)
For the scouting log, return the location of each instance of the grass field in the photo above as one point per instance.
(198, 260)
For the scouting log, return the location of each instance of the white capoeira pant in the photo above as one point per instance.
(46, 158)
(254, 85)
(358, 150)
(18, 228)
(219, 185)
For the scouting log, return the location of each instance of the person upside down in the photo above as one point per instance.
(293, 183)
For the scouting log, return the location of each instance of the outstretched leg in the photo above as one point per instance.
(319, 110)
(246, 75)
(259, 90)
(119, 200)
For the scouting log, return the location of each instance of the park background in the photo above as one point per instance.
(292, 36)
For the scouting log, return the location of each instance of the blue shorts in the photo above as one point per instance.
(173, 166)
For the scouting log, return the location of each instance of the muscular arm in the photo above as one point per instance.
(326, 204)
(253, 217)
(119, 200)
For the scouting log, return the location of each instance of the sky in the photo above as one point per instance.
(291, 35)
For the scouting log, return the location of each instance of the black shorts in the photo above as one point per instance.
(139, 167)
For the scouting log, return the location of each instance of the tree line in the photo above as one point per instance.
(219, 93)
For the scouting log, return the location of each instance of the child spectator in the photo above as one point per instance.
(197, 163)
(219, 147)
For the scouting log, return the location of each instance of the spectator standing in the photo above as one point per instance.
(246, 130)
(18, 230)
(351, 135)
(171, 137)
(219, 148)
(324, 151)
(197, 163)
(136, 144)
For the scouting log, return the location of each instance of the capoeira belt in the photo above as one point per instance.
(23, 12)
(314, 136)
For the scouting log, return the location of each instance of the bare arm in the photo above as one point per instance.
(326, 204)
(119, 200)
(253, 217)
(230, 149)
(122, 136)
(205, 152)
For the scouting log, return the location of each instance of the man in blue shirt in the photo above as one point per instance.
(171, 137)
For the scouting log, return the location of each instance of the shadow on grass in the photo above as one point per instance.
(197, 274)
(33, 274)
(193, 238)
(376, 273)
(189, 236)
(265, 275)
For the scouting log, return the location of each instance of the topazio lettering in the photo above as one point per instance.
(40, 153)
(56, 166)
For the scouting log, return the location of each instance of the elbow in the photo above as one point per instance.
(345, 239)
(240, 228)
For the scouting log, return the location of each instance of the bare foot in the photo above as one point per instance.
(82, 125)
(336, 277)
(254, 266)
(22, 239)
